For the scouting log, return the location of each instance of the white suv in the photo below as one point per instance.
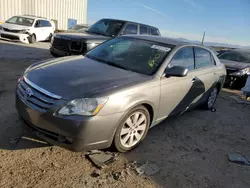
(27, 29)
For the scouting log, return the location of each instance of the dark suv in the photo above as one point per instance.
(64, 44)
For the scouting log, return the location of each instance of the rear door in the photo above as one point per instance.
(177, 93)
(38, 31)
(144, 30)
(205, 71)
(130, 28)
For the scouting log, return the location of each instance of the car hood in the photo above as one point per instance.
(78, 76)
(82, 36)
(234, 64)
(14, 26)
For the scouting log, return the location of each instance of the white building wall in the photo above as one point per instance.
(60, 10)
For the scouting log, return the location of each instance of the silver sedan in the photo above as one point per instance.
(117, 91)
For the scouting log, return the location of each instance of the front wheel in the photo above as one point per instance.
(32, 39)
(132, 130)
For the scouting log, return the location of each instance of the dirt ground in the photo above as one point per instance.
(190, 150)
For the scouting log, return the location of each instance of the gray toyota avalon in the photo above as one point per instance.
(117, 91)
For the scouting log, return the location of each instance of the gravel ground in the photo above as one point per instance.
(191, 150)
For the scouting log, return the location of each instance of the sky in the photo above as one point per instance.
(225, 21)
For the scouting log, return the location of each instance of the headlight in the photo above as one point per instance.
(24, 31)
(85, 107)
(91, 45)
(242, 72)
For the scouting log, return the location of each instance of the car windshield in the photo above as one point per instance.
(240, 56)
(131, 54)
(20, 21)
(106, 27)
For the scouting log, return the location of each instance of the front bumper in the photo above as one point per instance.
(15, 36)
(76, 133)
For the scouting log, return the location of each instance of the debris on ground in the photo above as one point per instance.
(56, 165)
(116, 175)
(238, 158)
(96, 173)
(197, 150)
(14, 140)
(148, 169)
(100, 158)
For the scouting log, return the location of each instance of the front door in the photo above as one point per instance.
(178, 93)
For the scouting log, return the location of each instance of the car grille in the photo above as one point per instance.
(61, 43)
(11, 30)
(75, 47)
(11, 37)
(38, 100)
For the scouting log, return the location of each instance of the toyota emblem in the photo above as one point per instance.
(28, 93)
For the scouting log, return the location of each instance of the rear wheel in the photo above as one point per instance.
(132, 129)
(49, 38)
(211, 98)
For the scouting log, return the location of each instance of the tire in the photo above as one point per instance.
(53, 54)
(129, 134)
(49, 38)
(32, 39)
(211, 99)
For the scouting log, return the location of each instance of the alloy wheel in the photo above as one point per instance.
(133, 129)
(212, 97)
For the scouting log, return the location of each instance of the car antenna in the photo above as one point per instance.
(203, 37)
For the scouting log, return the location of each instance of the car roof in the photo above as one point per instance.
(32, 17)
(129, 22)
(160, 39)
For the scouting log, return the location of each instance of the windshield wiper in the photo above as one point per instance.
(108, 62)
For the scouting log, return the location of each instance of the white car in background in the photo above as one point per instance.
(27, 29)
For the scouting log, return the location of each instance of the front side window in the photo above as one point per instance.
(20, 21)
(136, 55)
(106, 27)
(202, 58)
(143, 30)
(130, 29)
(184, 58)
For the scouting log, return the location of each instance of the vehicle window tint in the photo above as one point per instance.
(202, 58)
(184, 57)
(130, 29)
(154, 31)
(232, 56)
(143, 30)
(44, 23)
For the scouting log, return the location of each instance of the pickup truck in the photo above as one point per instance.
(80, 42)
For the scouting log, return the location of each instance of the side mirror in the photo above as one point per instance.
(176, 71)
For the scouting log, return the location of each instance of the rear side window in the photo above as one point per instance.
(154, 31)
(130, 29)
(184, 57)
(143, 30)
(202, 58)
